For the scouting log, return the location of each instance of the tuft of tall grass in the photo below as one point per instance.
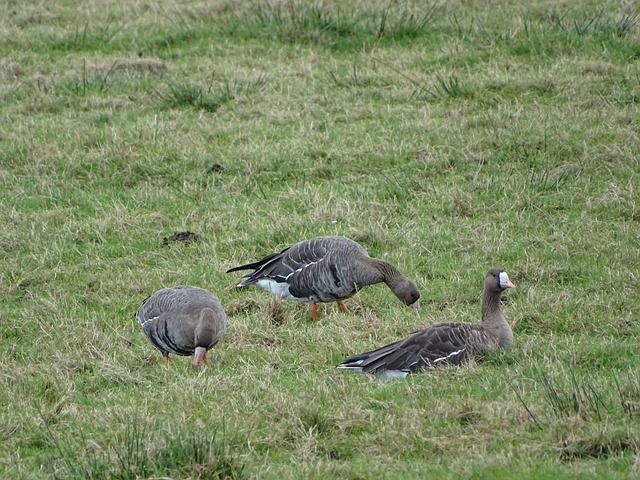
(209, 97)
(151, 450)
(335, 25)
(302, 21)
(585, 398)
(89, 38)
(595, 23)
(90, 81)
(543, 179)
(393, 23)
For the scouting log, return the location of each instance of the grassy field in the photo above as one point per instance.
(446, 137)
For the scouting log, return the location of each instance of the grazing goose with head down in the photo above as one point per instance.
(183, 320)
(325, 269)
(452, 343)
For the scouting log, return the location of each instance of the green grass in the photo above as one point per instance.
(446, 137)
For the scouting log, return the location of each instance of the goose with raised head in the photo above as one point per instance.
(452, 343)
(325, 269)
(183, 320)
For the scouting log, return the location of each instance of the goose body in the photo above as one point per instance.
(183, 320)
(325, 269)
(452, 343)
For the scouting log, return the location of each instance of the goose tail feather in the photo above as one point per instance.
(255, 265)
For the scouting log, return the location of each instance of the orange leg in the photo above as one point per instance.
(165, 359)
(313, 310)
(342, 307)
(205, 358)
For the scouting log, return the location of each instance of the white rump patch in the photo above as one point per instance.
(353, 369)
(384, 375)
(279, 289)
(388, 374)
(452, 354)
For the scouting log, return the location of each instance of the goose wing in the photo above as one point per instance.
(168, 299)
(154, 305)
(450, 343)
(281, 266)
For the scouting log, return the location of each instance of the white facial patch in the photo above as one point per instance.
(504, 279)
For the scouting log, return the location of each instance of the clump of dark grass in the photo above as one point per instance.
(581, 26)
(396, 188)
(275, 312)
(205, 455)
(354, 78)
(96, 81)
(627, 23)
(152, 451)
(435, 89)
(628, 394)
(580, 397)
(584, 398)
(185, 237)
(334, 26)
(296, 21)
(211, 96)
(601, 448)
(543, 179)
(595, 24)
(88, 38)
(442, 87)
(351, 79)
(405, 23)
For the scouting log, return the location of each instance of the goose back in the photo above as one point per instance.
(452, 343)
(181, 319)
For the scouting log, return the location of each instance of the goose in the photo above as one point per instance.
(325, 269)
(452, 343)
(184, 320)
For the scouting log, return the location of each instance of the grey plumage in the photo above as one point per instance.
(452, 343)
(183, 320)
(325, 269)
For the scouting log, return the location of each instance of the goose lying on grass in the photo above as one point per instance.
(183, 320)
(325, 269)
(452, 343)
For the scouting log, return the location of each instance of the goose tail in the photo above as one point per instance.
(256, 265)
(377, 362)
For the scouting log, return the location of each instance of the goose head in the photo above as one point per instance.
(497, 281)
(407, 293)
